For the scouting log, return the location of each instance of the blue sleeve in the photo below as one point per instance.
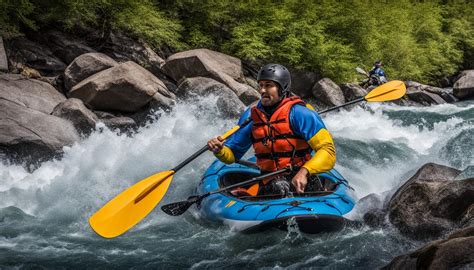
(305, 122)
(241, 141)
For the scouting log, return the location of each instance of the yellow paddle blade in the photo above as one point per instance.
(387, 91)
(123, 212)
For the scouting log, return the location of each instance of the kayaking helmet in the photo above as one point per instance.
(278, 74)
(378, 63)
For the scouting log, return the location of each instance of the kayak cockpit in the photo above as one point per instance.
(328, 183)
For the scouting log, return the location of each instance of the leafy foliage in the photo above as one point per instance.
(417, 40)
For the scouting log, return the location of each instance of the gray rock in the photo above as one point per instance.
(353, 91)
(302, 82)
(122, 123)
(23, 51)
(206, 63)
(328, 92)
(455, 252)
(430, 203)
(126, 87)
(228, 103)
(464, 87)
(3, 57)
(85, 66)
(427, 95)
(30, 136)
(74, 110)
(30, 93)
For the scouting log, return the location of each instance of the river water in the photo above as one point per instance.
(43, 214)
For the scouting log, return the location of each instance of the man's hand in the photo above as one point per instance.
(215, 145)
(300, 180)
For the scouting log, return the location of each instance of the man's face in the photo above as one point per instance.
(269, 92)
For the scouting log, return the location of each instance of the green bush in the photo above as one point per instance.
(417, 40)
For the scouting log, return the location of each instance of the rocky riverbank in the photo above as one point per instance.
(56, 88)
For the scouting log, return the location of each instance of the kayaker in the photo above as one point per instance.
(283, 132)
(377, 74)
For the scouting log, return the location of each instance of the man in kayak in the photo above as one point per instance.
(283, 132)
(377, 74)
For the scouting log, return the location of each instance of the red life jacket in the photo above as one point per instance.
(276, 145)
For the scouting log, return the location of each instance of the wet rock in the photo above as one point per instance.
(62, 45)
(302, 82)
(126, 87)
(371, 209)
(122, 123)
(85, 66)
(328, 92)
(3, 57)
(426, 95)
(28, 133)
(455, 252)
(464, 86)
(353, 91)
(22, 51)
(74, 110)
(206, 63)
(430, 203)
(227, 102)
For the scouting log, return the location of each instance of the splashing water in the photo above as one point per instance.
(43, 214)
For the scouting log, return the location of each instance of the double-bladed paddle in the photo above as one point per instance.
(135, 203)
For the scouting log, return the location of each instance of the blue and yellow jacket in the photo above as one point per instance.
(304, 122)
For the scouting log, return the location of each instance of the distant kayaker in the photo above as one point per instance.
(283, 133)
(377, 74)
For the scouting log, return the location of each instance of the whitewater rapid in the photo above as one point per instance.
(379, 146)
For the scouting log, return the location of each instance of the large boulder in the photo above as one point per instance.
(227, 102)
(123, 48)
(353, 91)
(206, 63)
(22, 51)
(28, 133)
(34, 94)
(126, 87)
(455, 252)
(3, 57)
(430, 203)
(85, 66)
(302, 82)
(464, 87)
(328, 92)
(76, 112)
(428, 95)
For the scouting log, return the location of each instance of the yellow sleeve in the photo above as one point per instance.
(325, 156)
(226, 155)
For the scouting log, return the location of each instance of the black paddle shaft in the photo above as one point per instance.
(343, 105)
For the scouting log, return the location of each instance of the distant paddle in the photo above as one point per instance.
(135, 203)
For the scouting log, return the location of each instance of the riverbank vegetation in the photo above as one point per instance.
(417, 40)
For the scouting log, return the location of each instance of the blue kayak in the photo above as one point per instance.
(312, 212)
